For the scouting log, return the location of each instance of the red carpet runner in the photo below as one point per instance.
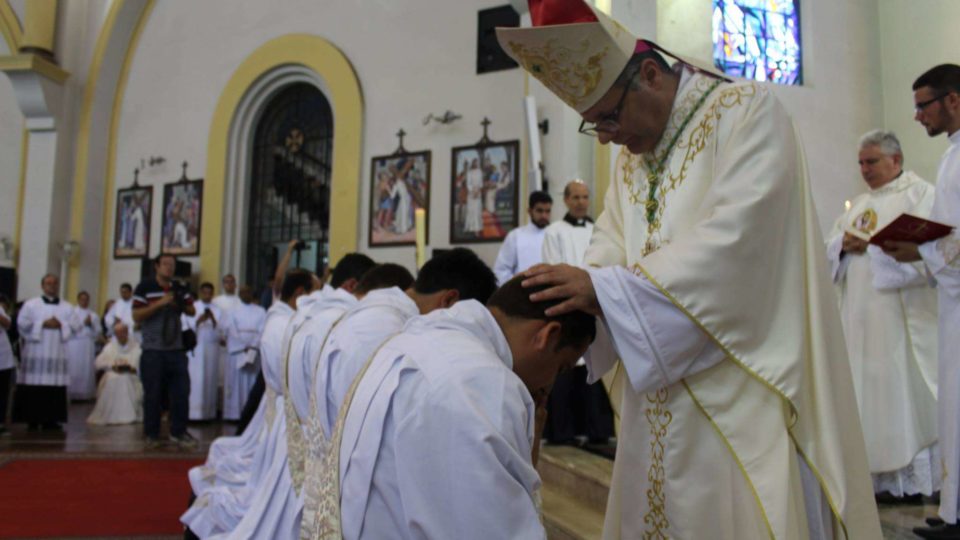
(93, 497)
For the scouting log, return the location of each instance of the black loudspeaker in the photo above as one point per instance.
(182, 271)
(490, 57)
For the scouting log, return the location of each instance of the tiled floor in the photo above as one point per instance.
(80, 439)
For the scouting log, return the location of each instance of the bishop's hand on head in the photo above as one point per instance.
(569, 283)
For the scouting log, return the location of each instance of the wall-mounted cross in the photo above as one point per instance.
(183, 177)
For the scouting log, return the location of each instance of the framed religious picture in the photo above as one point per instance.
(182, 205)
(131, 230)
(399, 185)
(484, 191)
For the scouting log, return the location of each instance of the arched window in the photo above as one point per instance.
(758, 39)
(290, 182)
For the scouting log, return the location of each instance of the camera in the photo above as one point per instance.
(300, 245)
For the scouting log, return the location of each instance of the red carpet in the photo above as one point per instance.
(93, 497)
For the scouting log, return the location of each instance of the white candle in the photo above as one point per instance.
(420, 219)
(846, 205)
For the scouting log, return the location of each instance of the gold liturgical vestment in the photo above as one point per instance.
(719, 218)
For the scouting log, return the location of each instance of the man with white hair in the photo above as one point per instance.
(120, 394)
(889, 313)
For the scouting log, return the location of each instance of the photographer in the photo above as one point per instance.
(157, 306)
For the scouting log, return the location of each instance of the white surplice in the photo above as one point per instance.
(521, 249)
(120, 394)
(81, 353)
(889, 313)
(942, 259)
(565, 243)
(436, 440)
(242, 328)
(122, 311)
(226, 486)
(43, 359)
(204, 360)
(739, 420)
(226, 303)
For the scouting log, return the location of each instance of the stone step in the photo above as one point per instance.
(577, 474)
(566, 518)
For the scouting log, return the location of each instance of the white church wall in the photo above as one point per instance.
(913, 40)
(839, 99)
(11, 135)
(411, 60)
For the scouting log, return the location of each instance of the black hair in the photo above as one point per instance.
(126, 286)
(206, 285)
(539, 197)
(293, 280)
(83, 292)
(633, 67)
(158, 258)
(940, 79)
(458, 269)
(384, 276)
(351, 266)
(513, 299)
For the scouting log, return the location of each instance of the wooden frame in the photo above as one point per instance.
(182, 213)
(498, 209)
(131, 226)
(387, 227)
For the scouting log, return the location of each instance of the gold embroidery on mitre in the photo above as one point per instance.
(557, 68)
(866, 222)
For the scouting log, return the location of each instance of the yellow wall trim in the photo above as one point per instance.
(327, 61)
(24, 154)
(81, 161)
(40, 25)
(35, 63)
(106, 244)
(10, 27)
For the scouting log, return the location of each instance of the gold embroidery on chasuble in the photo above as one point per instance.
(553, 65)
(866, 222)
(659, 418)
(271, 413)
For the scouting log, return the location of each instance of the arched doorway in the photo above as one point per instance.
(289, 185)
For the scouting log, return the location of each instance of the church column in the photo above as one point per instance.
(38, 84)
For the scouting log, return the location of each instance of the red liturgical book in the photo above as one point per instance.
(908, 228)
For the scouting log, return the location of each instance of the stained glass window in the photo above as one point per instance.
(758, 39)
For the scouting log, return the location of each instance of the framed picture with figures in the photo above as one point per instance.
(484, 191)
(131, 230)
(399, 185)
(182, 207)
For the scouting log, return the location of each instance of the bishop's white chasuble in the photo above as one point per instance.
(718, 218)
(889, 314)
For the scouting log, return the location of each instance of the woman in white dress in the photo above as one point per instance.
(120, 394)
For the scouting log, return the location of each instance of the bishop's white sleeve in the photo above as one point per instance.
(889, 274)
(942, 258)
(657, 343)
(106, 357)
(468, 477)
(505, 266)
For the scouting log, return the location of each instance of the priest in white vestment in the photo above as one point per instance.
(936, 95)
(435, 438)
(82, 349)
(446, 278)
(204, 359)
(242, 329)
(45, 328)
(121, 310)
(274, 511)
(120, 393)
(523, 246)
(226, 302)
(566, 241)
(707, 268)
(228, 482)
(889, 312)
